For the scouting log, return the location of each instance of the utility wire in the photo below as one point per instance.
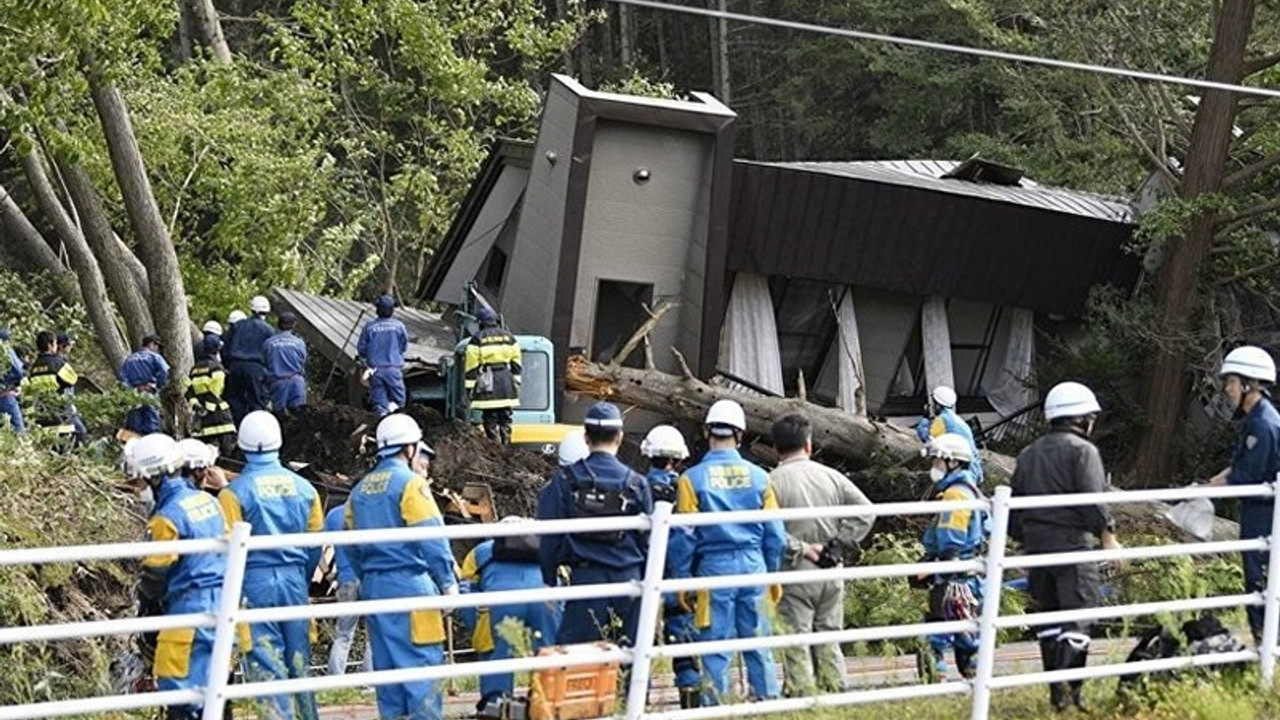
(959, 49)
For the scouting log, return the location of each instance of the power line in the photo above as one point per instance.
(958, 49)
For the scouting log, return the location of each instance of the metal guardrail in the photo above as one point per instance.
(650, 590)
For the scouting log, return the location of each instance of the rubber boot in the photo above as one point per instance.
(966, 663)
(1058, 692)
(1070, 658)
(690, 697)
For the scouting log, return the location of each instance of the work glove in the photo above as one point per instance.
(452, 591)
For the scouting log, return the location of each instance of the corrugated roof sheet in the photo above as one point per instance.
(332, 327)
(927, 175)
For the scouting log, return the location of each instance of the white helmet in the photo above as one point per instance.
(573, 447)
(951, 446)
(512, 519)
(260, 304)
(664, 441)
(235, 317)
(944, 396)
(1249, 362)
(152, 456)
(1070, 399)
(197, 454)
(397, 430)
(259, 432)
(213, 326)
(726, 413)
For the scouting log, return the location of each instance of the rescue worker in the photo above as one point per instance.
(10, 383)
(1248, 373)
(232, 319)
(724, 481)
(597, 486)
(573, 447)
(506, 563)
(493, 375)
(1059, 462)
(392, 495)
(940, 417)
(952, 535)
(665, 449)
(348, 591)
(286, 356)
(50, 385)
(212, 328)
(247, 371)
(800, 482)
(145, 371)
(210, 413)
(178, 584)
(199, 466)
(66, 344)
(380, 351)
(275, 501)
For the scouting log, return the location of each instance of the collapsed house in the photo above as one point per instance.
(866, 283)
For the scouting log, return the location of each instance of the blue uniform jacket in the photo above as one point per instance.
(389, 496)
(723, 481)
(144, 368)
(245, 344)
(556, 503)
(274, 501)
(383, 342)
(947, 421)
(955, 534)
(333, 521)
(12, 377)
(184, 513)
(1257, 454)
(285, 355)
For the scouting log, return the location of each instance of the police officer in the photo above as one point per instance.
(145, 371)
(1059, 462)
(233, 319)
(275, 501)
(178, 584)
(940, 417)
(199, 466)
(1248, 373)
(247, 376)
(380, 350)
(598, 486)
(393, 495)
(210, 413)
(724, 481)
(506, 563)
(799, 482)
(665, 449)
(952, 535)
(52, 381)
(10, 383)
(493, 375)
(286, 356)
(348, 591)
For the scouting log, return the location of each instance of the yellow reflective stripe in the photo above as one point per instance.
(159, 528)
(230, 507)
(67, 375)
(348, 517)
(315, 523)
(686, 498)
(769, 502)
(470, 568)
(417, 504)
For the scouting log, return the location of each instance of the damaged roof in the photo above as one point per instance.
(332, 327)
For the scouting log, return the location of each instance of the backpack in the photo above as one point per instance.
(1203, 636)
(591, 502)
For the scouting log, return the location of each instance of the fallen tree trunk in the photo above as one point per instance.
(835, 432)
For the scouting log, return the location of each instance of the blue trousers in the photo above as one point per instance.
(613, 618)
(9, 408)
(182, 655)
(144, 420)
(386, 387)
(288, 393)
(737, 613)
(678, 627)
(279, 650)
(539, 618)
(1255, 522)
(391, 637)
(246, 388)
(965, 645)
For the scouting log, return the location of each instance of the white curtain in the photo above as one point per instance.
(937, 345)
(1014, 390)
(853, 396)
(749, 337)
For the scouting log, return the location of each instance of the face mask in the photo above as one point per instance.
(148, 498)
(937, 473)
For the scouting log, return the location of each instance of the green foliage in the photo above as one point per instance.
(642, 86)
(1176, 578)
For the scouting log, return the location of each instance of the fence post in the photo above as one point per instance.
(992, 584)
(1271, 607)
(650, 603)
(225, 630)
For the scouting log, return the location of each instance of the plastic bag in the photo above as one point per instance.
(1194, 516)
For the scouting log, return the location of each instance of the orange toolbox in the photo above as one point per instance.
(576, 692)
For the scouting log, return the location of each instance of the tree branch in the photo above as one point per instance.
(1258, 64)
(1242, 218)
(641, 333)
(1161, 164)
(1238, 176)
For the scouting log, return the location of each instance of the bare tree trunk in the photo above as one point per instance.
(102, 239)
(136, 269)
(184, 31)
(205, 25)
(627, 36)
(28, 241)
(96, 300)
(1166, 380)
(168, 297)
(720, 53)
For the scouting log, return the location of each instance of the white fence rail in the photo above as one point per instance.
(650, 590)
